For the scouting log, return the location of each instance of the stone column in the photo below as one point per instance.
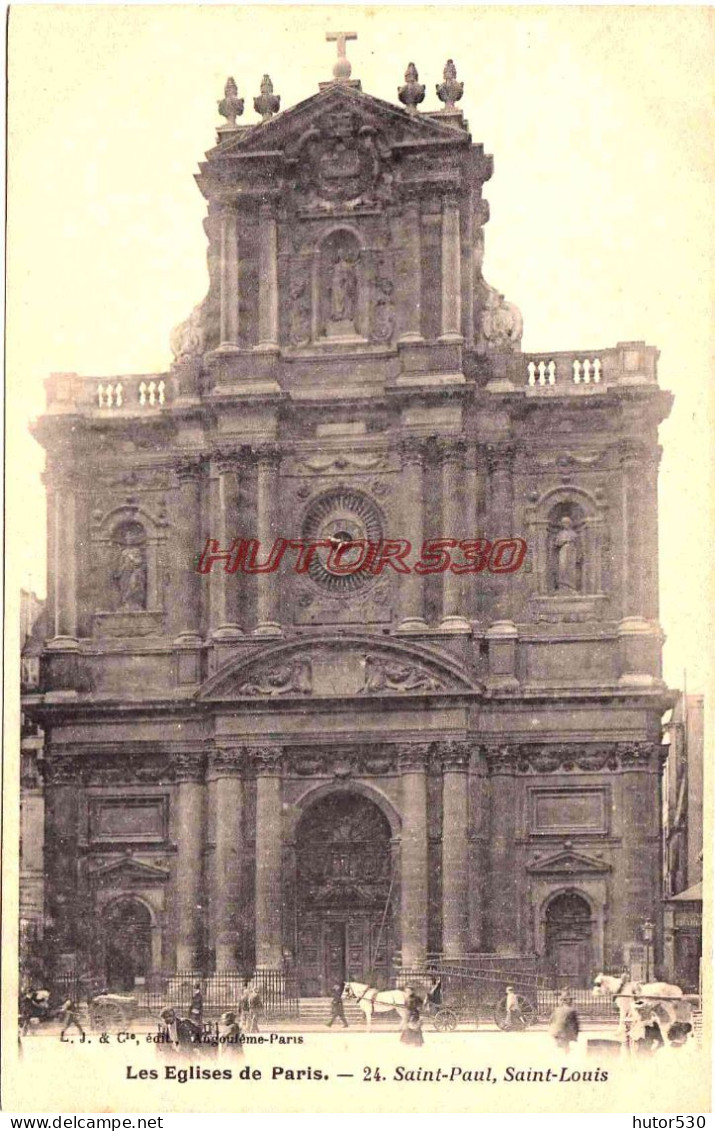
(267, 278)
(411, 289)
(224, 514)
(188, 833)
(269, 833)
(650, 533)
(63, 786)
(455, 849)
(500, 461)
(639, 887)
(479, 825)
(225, 769)
(189, 546)
(503, 903)
(502, 634)
(268, 459)
(228, 328)
(451, 271)
(639, 641)
(412, 612)
(65, 564)
(414, 881)
(451, 453)
(632, 473)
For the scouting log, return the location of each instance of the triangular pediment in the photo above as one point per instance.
(286, 131)
(128, 870)
(353, 666)
(567, 863)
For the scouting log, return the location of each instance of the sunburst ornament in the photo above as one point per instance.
(342, 515)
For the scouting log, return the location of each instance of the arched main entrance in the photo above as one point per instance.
(343, 886)
(126, 927)
(569, 943)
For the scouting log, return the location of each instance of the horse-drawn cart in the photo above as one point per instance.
(111, 1011)
(470, 996)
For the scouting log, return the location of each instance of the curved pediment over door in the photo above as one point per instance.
(355, 665)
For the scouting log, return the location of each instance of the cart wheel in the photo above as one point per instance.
(445, 1021)
(527, 1015)
(106, 1015)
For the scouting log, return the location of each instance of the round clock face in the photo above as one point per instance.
(341, 515)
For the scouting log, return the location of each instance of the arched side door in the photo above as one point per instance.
(569, 938)
(126, 930)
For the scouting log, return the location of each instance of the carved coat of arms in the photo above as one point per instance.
(342, 162)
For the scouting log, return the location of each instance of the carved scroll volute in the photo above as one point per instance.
(226, 762)
(501, 759)
(640, 756)
(412, 451)
(265, 761)
(188, 766)
(414, 757)
(189, 468)
(453, 755)
(63, 770)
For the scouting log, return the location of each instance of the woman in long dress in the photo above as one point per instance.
(412, 1029)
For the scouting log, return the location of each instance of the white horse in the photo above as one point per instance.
(630, 998)
(371, 1000)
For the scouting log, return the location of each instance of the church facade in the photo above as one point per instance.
(276, 735)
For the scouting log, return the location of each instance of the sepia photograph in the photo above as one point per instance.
(357, 460)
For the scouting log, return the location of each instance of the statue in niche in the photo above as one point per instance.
(568, 558)
(343, 289)
(130, 572)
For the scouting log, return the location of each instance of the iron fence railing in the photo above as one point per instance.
(475, 990)
(220, 992)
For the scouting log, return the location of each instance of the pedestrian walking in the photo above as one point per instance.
(252, 1007)
(70, 1016)
(514, 1016)
(337, 1009)
(196, 1011)
(229, 1035)
(564, 1026)
(412, 1029)
(434, 992)
(34, 1006)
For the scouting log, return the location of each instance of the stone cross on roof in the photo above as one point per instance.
(342, 68)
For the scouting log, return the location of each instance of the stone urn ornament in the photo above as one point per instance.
(231, 106)
(267, 103)
(449, 90)
(413, 92)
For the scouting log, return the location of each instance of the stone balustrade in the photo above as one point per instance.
(70, 393)
(627, 363)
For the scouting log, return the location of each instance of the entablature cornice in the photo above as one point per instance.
(536, 759)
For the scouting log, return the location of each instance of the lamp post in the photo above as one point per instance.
(648, 931)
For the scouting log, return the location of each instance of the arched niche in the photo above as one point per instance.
(128, 593)
(340, 308)
(574, 516)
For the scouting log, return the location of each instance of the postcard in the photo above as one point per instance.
(356, 458)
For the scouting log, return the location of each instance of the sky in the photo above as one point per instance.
(599, 120)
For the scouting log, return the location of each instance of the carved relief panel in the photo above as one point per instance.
(335, 234)
(128, 541)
